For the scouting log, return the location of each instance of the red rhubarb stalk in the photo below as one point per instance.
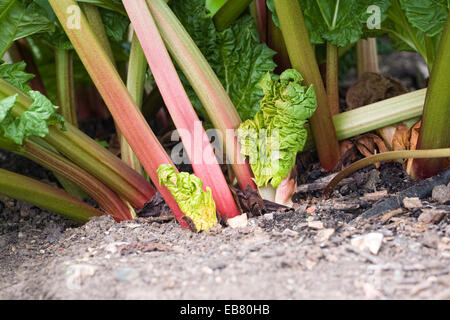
(120, 103)
(207, 86)
(194, 138)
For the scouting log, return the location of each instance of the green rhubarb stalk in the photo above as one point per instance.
(385, 156)
(229, 12)
(193, 136)
(205, 83)
(376, 115)
(434, 132)
(89, 155)
(367, 56)
(95, 21)
(44, 196)
(332, 78)
(137, 68)
(116, 96)
(276, 43)
(106, 198)
(65, 85)
(303, 59)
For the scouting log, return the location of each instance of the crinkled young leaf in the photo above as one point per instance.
(276, 134)
(33, 122)
(187, 189)
(19, 20)
(235, 55)
(15, 74)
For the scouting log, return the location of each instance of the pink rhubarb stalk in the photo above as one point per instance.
(194, 138)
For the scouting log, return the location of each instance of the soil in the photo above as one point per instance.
(314, 251)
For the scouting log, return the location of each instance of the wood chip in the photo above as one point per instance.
(412, 203)
(374, 196)
(318, 225)
(389, 215)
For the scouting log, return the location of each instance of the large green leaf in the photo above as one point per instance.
(428, 16)
(340, 22)
(18, 20)
(235, 55)
(417, 26)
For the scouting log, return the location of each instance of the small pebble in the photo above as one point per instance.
(431, 215)
(290, 232)
(371, 241)
(125, 274)
(441, 194)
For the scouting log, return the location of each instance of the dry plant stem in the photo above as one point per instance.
(385, 156)
(205, 83)
(193, 136)
(65, 85)
(229, 12)
(44, 196)
(116, 96)
(332, 78)
(137, 67)
(105, 197)
(435, 129)
(89, 155)
(303, 59)
(367, 56)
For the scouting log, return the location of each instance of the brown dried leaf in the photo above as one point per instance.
(155, 208)
(249, 201)
(401, 138)
(414, 138)
(370, 144)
